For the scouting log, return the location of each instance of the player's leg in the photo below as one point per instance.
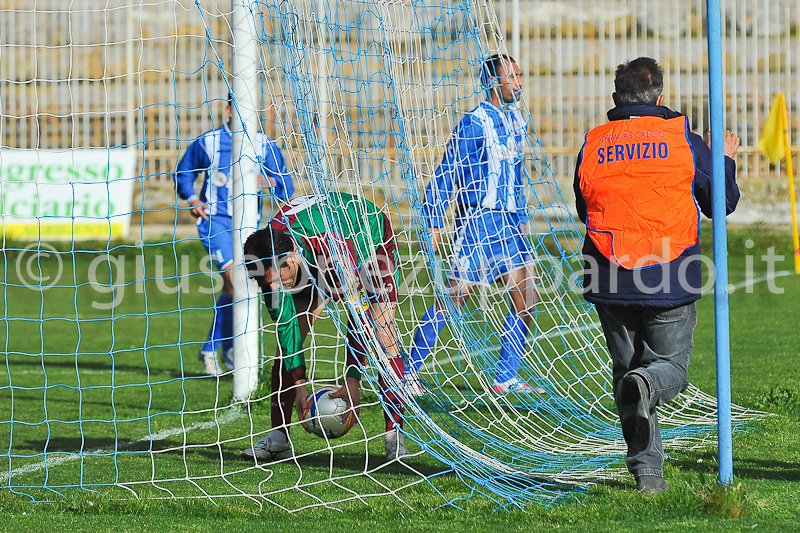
(382, 289)
(215, 234)
(432, 323)
(466, 268)
(520, 287)
(511, 260)
(214, 338)
(383, 316)
(275, 446)
(380, 318)
(225, 310)
(284, 393)
(221, 331)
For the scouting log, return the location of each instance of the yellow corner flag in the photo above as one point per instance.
(775, 143)
(771, 141)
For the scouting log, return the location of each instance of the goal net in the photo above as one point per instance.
(110, 292)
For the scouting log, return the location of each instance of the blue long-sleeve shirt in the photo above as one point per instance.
(483, 163)
(210, 154)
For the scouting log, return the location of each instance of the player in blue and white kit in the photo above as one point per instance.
(210, 155)
(482, 165)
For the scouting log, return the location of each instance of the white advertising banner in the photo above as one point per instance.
(85, 193)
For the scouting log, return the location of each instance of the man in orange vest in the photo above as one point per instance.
(640, 183)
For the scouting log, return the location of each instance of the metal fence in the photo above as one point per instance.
(152, 74)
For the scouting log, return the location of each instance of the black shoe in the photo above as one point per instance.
(651, 484)
(634, 411)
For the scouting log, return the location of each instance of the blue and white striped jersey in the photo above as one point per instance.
(483, 162)
(210, 154)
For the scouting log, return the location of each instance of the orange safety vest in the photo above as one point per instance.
(637, 177)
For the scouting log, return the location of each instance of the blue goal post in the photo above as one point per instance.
(721, 308)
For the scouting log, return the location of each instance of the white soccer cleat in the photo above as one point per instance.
(209, 360)
(395, 445)
(227, 359)
(514, 385)
(273, 447)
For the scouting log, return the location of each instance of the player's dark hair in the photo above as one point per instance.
(640, 81)
(262, 248)
(493, 68)
(230, 99)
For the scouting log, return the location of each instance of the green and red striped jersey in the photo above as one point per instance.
(352, 225)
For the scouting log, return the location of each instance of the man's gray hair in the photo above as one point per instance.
(640, 81)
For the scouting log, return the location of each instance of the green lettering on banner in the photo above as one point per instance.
(50, 208)
(118, 169)
(100, 206)
(73, 171)
(84, 203)
(92, 171)
(14, 172)
(48, 173)
(15, 205)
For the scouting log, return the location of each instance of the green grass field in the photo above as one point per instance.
(172, 393)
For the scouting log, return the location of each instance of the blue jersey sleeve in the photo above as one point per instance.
(193, 161)
(462, 155)
(275, 168)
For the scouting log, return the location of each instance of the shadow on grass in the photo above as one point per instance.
(616, 484)
(68, 362)
(343, 461)
(86, 446)
(750, 469)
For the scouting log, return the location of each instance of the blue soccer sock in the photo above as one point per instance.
(218, 327)
(514, 340)
(225, 308)
(425, 338)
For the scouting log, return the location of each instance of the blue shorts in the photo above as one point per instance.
(217, 236)
(488, 244)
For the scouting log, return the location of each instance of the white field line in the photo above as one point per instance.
(750, 282)
(57, 458)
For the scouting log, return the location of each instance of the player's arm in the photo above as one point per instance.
(461, 156)
(274, 168)
(290, 340)
(521, 181)
(195, 160)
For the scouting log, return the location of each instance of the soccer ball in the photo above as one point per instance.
(325, 416)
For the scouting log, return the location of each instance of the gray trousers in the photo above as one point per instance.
(655, 343)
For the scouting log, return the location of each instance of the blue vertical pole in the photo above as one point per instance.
(721, 310)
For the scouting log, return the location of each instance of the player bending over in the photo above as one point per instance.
(298, 272)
